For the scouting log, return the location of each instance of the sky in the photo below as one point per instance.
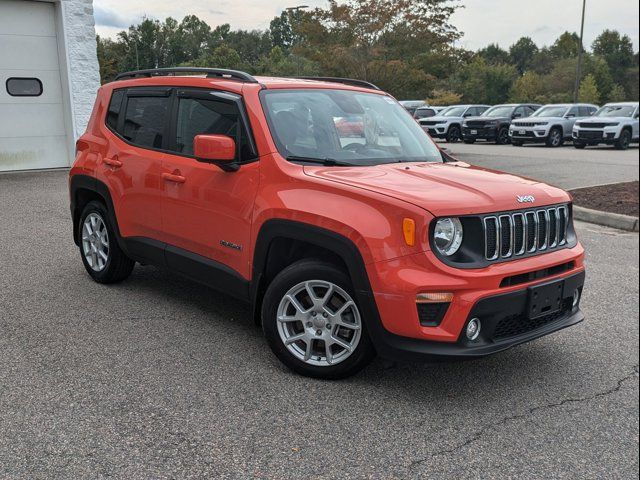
(482, 21)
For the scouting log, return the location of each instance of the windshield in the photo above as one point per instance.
(424, 113)
(499, 111)
(615, 111)
(551, 111)
(453, 112)
(345, 127)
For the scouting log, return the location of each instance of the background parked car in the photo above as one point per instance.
(412, 105)
(551, 124)
(426, 112)
(448, 123)
(493, 125)
(614, 124)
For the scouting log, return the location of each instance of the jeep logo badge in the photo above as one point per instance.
(526, 198)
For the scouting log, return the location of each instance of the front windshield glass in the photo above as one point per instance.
(453, 112)
(345, 127)
(615, 111)
(551, 111)
(499, 111)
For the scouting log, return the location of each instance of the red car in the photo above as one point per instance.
(345, 244)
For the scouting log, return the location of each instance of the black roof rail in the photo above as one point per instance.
(209, 72)
(346, 81)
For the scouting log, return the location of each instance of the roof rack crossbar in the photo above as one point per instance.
(209, 72)
(346, 81)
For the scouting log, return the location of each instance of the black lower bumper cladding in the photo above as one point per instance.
(505, 323)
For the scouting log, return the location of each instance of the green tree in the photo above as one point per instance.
(493, 54)
(616, 94)
(444, 97)
(483, 83)
(617, 50)
(527, 88)
(597, 66)
(566, 45)
(588, 92)
(222, 56)
(522, 54)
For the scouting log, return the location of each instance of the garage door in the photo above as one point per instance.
(32, 127)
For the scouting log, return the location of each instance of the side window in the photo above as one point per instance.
(592, 110)
(582, 111)
(144, 121)
(519, 113)
(529, 110)
(481, 110)
(471, 112)
(197, 116)
(114, 109)
(573, 112)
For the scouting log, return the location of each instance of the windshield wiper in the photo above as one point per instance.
(327, 162)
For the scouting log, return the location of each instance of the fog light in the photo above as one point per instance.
(576, 297)
(473, 328)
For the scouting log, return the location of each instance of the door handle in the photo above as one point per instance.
(112, 162)
(172, 177)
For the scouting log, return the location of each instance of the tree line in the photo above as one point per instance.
(407, 47)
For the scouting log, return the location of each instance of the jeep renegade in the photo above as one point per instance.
(346, 242)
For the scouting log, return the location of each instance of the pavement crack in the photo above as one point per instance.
(503, 421)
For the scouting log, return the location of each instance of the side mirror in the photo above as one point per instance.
(570, 115)
(218, 149)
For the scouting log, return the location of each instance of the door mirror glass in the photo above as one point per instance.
(570, 115)
(218, 148)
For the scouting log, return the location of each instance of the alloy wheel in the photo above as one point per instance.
(319, 323)
(95, 242)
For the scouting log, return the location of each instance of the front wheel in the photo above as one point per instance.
(454, 134)
(503, 136)
(622, 143)
(555, 138)
(312, 321)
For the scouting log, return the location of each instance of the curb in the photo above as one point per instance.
(614, 220)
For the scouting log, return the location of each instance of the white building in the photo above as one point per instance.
(48, 80)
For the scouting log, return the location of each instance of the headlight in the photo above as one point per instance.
(464, 124)
(447, 236)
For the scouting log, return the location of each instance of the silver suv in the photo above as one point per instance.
(448, 123)
(614, 124)
(551, 124)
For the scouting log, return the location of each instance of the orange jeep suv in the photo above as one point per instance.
(323, 204)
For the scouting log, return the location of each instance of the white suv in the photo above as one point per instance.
(551, 124)
(448, 123)
(614, 124)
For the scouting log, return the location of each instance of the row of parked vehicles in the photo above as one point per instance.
(519, 123)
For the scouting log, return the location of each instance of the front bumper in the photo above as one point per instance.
(607, 135)
(483, 133)
(528, 135)
(436, 131)
(395, 285)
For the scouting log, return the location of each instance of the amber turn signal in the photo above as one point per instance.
(409, 231)
(435, 297)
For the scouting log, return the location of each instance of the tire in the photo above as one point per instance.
(454, 134)
(555, 138)
(516, 143)
(309, 355)
(503, 136)
(101, 255)
(623, 141)
(469, 141)
(579, 145)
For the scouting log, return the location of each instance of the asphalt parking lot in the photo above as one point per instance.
(158, 377)
(564, 167)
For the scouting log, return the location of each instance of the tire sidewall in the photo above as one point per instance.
(299, 272)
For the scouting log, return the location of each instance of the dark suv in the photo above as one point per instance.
(493, 125)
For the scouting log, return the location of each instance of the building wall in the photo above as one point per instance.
(79, 60)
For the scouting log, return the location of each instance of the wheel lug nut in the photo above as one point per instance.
(328, 326)
(313, 314)
(324, 314)
(309, 324)
(319, 332)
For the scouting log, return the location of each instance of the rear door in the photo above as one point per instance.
(131, 164)
(208, 210)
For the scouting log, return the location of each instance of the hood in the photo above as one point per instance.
(455, 188)
(438, 118)
(604, 119)
(537, 119)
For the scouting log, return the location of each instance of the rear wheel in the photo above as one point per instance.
(312, 321)
(101, 255)
(555, 138)
(622, 143)
(503, 136)
(454, 134)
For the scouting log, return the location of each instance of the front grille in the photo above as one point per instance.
(595, 135)
(429, 123)
(476, 123)
(516, 233)
(595, 125)
(515, 325)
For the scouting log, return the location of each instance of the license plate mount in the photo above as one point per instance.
(545, 299)
(474, 132)
(523, 132)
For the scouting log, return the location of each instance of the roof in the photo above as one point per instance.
(622, 104)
